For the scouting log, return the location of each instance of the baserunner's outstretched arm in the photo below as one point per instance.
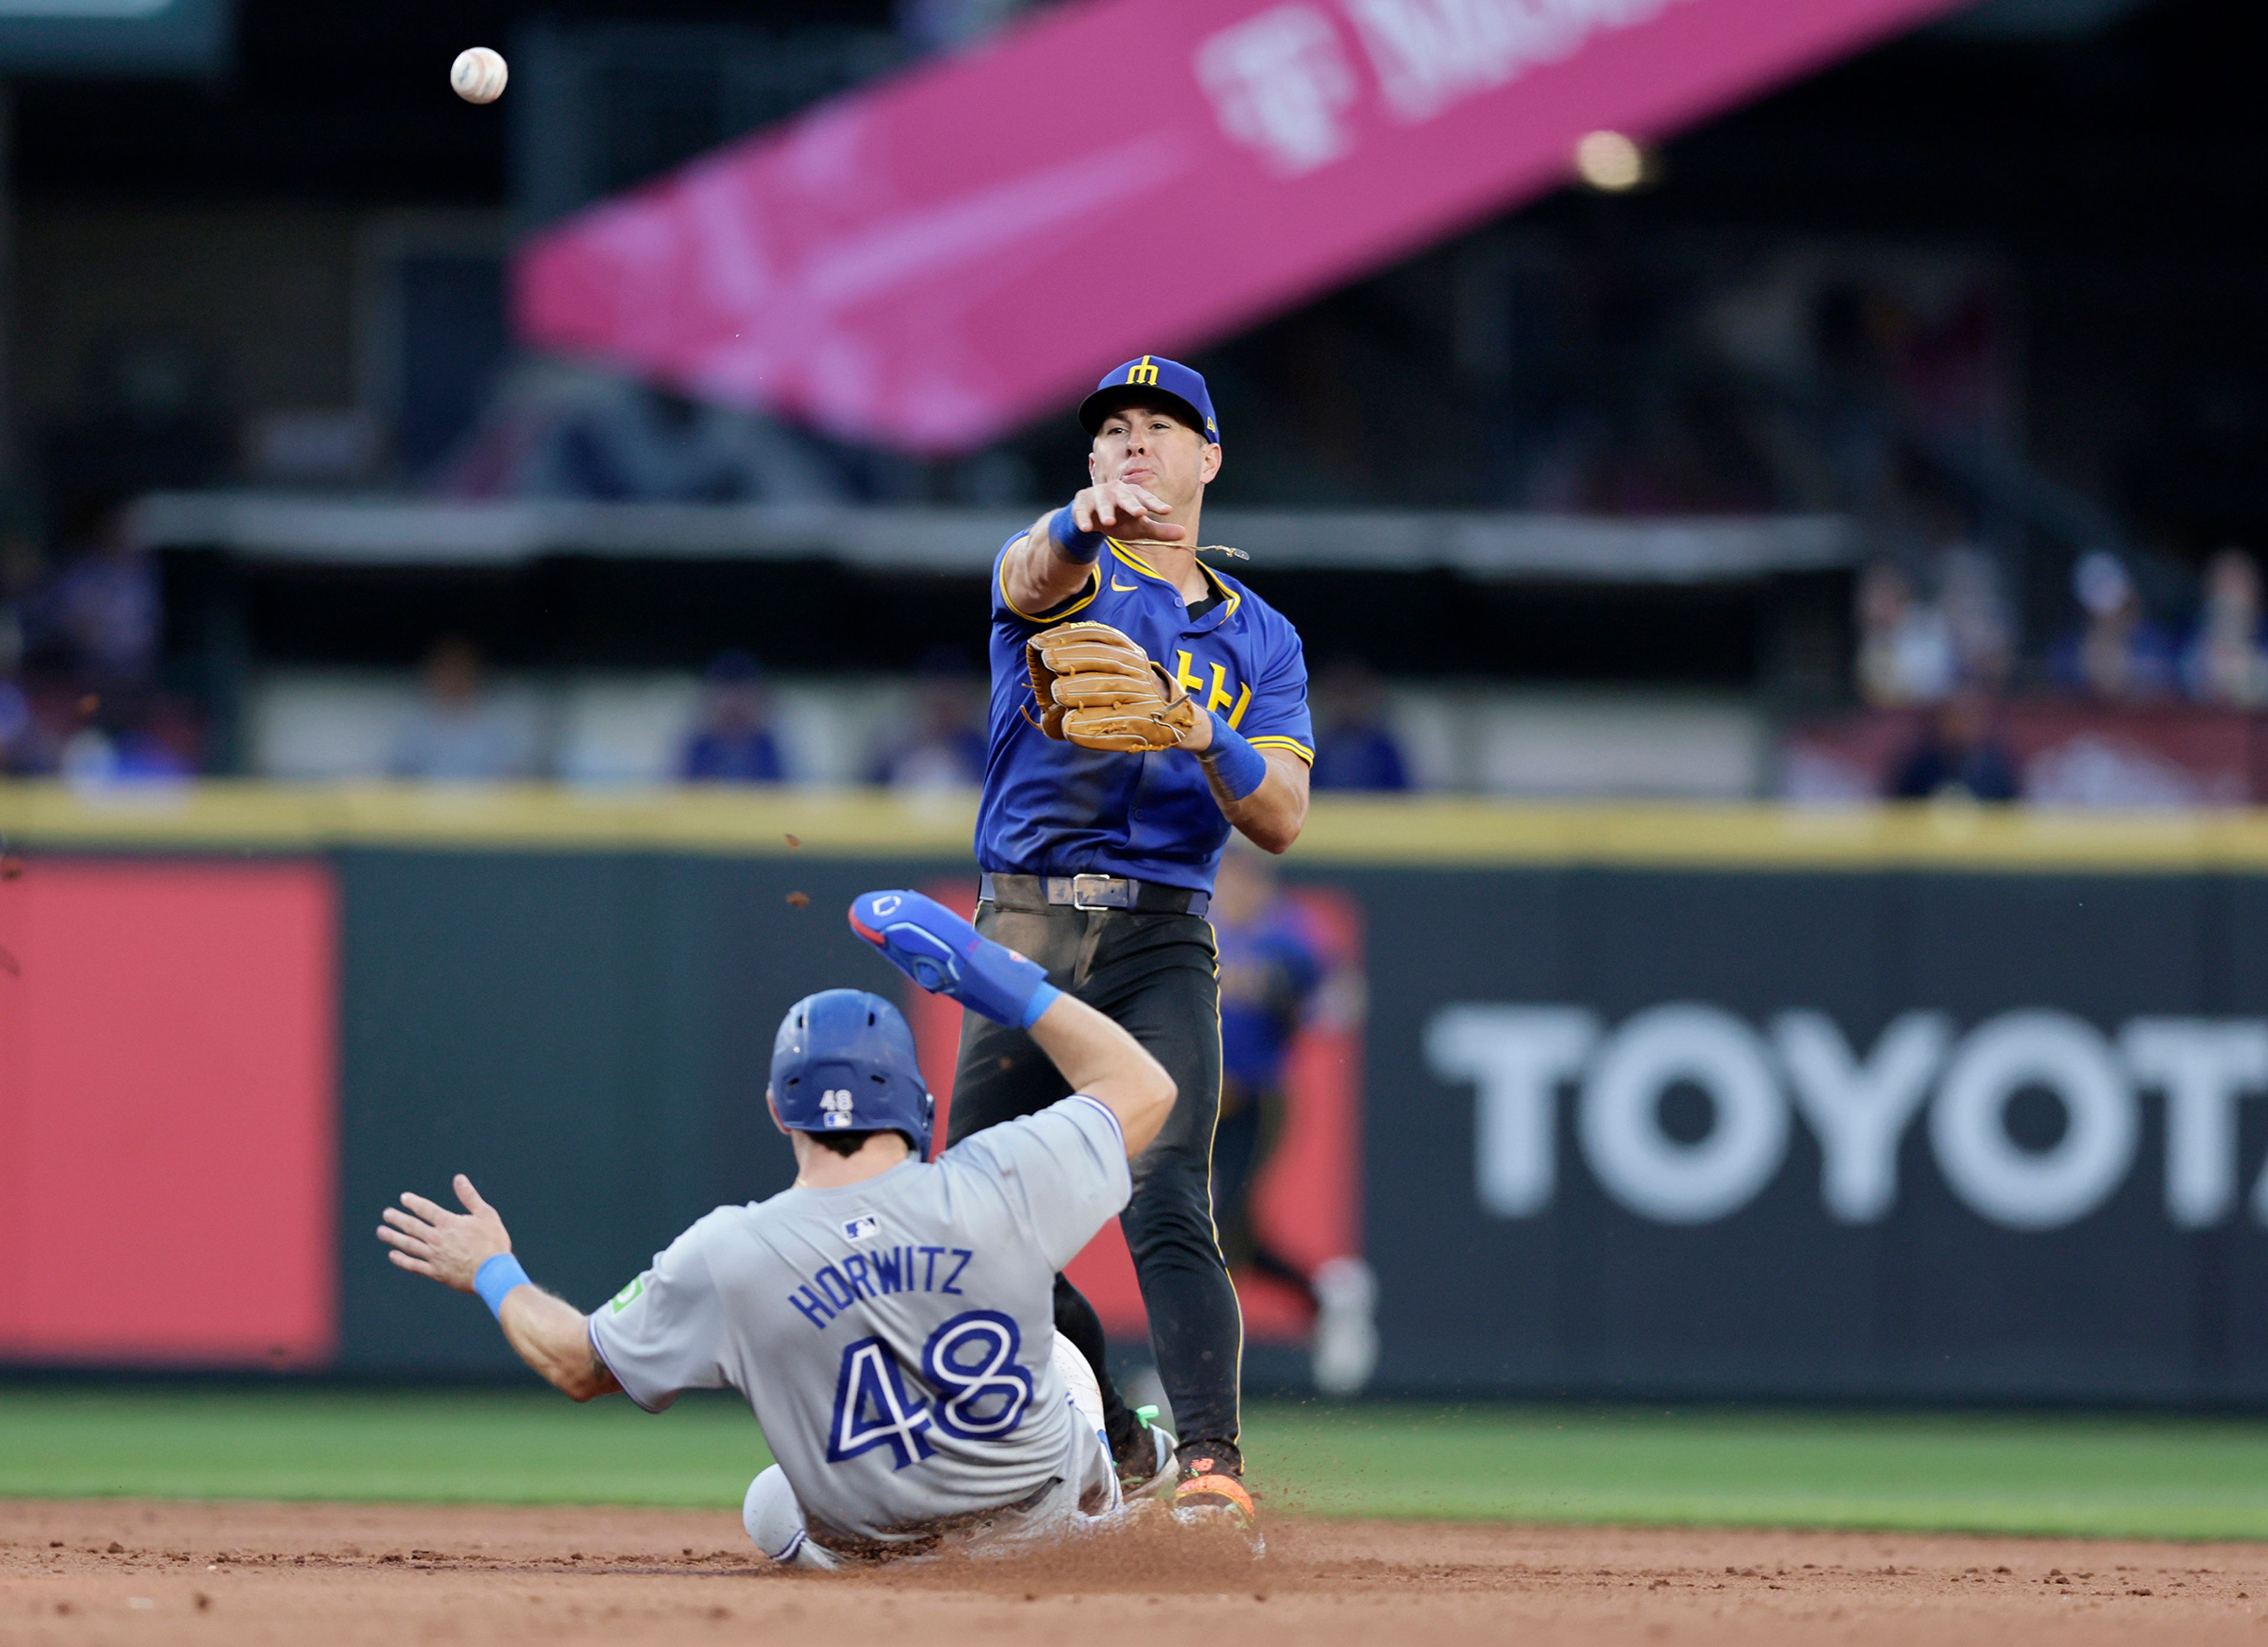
(471, 1252)
(947, 956)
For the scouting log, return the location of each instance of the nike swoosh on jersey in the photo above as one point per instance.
(1124, 589)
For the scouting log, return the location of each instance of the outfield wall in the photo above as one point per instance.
(1665, 1099)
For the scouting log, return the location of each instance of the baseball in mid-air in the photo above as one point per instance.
(479, 73)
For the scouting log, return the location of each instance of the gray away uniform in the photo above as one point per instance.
(894, 1337)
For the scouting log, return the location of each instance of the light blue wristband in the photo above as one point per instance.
(1081, 549)
(1241, 767)
(497, 1277)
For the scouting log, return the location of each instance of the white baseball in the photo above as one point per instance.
(479, 75)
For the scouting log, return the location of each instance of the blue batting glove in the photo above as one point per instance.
(947, 956)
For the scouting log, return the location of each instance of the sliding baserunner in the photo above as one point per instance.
(890, 1320)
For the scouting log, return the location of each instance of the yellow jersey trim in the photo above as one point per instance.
(1094, 589)
(1292, 744)
(1233, 597)
(1134, 560)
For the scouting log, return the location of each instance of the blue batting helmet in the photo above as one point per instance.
(844, 1062)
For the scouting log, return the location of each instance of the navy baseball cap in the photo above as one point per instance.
(1149, 380)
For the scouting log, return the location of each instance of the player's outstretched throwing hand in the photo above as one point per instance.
(947, 956)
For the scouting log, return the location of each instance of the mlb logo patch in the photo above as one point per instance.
(864, 1227)
(835, 1109)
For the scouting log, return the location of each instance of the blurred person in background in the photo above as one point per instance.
(20, 575)
(17, 756)
(100, 608)
(1354, 750)
(1959, 757)
(2224, 662)
(1906, 652)
(458, 733)
(733, 741)
(1977, 621)
(1271, 967)
(2118, 656)
(131, 737)
(946, 747)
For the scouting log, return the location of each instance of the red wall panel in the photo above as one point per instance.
(168, 1114)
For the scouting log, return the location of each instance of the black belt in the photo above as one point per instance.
(1092, 891)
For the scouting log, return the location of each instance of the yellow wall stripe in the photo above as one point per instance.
(1341, 829)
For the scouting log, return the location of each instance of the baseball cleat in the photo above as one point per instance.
(1152, 1461)
(1345, 1347)
(1212, 1494)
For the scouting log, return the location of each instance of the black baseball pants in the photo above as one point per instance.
(1156, 976)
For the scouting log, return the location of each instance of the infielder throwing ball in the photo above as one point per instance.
(1142, 705)
(889, 1319)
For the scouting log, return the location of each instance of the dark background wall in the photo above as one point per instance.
(586, 1034)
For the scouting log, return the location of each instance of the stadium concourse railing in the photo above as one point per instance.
(1934, 1103)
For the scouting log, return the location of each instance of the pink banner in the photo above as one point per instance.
(932, 263)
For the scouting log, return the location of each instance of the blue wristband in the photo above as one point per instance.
(497, 1277)
(1082, 549)
(1043, 998)
(1241, 767)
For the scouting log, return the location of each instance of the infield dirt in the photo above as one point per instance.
(335, 1575)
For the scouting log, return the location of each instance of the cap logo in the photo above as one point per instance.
(834, 1106)
(888, 904)
(1143, 372)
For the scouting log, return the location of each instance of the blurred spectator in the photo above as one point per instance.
(733, 743)
(459, 733)
(1978, 621)
(2224, 662)
(17, 730)
(18, 574)
(1905, 647)
(1271, 966)
(2120, 656)
(101, 610)
(1959, 757)
(1353, 748)
(946, 749)
(131, 740)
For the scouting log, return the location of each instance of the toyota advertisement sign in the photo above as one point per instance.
(1885, 1133)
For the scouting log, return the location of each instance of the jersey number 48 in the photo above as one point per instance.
(969, 1362)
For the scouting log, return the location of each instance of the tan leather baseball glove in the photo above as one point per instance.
(1100, 690)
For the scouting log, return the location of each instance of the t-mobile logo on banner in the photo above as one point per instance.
(1283, 82)
(1858, 1106)
(1280, 84)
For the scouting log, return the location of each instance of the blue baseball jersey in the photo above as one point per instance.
(1269, 969)
(1053, 808)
